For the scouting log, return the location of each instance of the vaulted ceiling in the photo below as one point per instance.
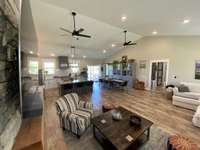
(102, 19)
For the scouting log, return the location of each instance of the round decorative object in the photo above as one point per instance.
(178, 142)
(107, 106)
(116, 115)
(135, 120)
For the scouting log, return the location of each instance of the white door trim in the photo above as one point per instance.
(150, 70)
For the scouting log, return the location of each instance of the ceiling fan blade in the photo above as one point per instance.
(80, 30)
(63, 29)
(83, 35)
(124, 44)
(132, 44)
(129, 42)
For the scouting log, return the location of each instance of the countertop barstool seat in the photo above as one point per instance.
(68, 88)
(79, 87)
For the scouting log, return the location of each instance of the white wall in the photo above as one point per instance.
(82, 62)
(182, 51)
(29, 40)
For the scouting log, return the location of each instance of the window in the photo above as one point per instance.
(74, 68)
(49, 67)
(33, 67)
(94, 72)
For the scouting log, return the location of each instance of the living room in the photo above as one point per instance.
(87, 75)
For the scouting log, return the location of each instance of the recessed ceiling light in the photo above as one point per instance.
(31, 52)
(104, 51)
(123, 18)
(154, 32)
(52, 54)
(186, 21)
(113, 45)
(84, 56)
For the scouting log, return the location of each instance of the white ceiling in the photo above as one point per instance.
(144, 16)
(48, 19)
(102, 19)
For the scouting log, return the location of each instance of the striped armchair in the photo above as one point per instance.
(74, 115)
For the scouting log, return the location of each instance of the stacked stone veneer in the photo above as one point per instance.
(10, 118)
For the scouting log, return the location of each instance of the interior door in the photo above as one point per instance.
(153, 75)
(160, 74)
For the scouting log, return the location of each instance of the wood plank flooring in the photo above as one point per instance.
(151, 105)
(29, 136)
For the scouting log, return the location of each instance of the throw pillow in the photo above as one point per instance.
(183, 88)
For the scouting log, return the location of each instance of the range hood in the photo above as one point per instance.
(63, 62)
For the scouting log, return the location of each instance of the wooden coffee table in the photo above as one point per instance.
(113, 134)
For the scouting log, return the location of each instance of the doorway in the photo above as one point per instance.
(158, 77)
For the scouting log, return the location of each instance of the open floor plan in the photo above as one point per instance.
(99, 75)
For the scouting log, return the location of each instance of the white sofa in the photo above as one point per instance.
(196, 118)
(189, 100)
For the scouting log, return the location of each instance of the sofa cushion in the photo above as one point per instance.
(196, 117)
(194, 87)
(188, 95)
(186, 100)
(183, 88)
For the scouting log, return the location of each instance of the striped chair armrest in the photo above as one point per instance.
(87, 105)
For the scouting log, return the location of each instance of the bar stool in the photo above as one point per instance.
(68, 88)
(79, 87)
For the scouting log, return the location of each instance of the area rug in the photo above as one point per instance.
(157, 141)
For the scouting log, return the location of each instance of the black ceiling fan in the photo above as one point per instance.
(76, 32)
(129, 42)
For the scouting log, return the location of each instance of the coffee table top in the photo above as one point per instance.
(117, 131)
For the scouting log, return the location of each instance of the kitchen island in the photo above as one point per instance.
(78, 86)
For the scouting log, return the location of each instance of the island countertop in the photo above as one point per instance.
(73, 81)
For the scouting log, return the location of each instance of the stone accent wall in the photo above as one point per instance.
(10, 118)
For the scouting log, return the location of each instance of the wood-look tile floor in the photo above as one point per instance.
(151, 105)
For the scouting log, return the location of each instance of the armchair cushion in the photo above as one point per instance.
(90, 111)
(76, 122)
(87, 105)
(86, 115)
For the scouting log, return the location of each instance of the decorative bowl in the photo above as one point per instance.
(135, 120)
(116, 115)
